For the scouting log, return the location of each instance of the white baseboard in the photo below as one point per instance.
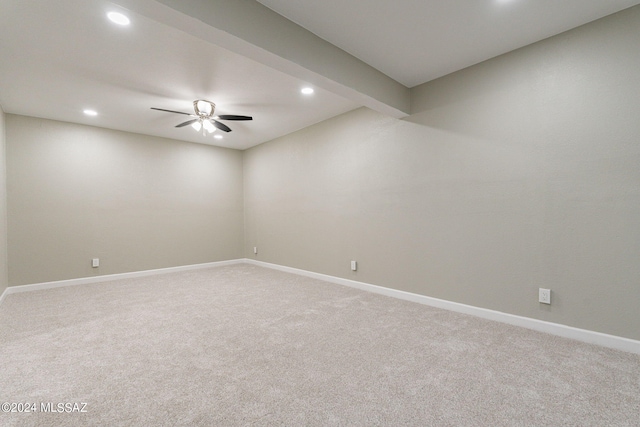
(584, 335)
(4, 295)
(110, 277)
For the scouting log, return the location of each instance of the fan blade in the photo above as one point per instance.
(232, 117)
(221, 126)
(171, 111)
(187, 123)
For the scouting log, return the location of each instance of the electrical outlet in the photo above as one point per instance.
(354, 265)
(544, 296)
(255, 249)
(95, 262)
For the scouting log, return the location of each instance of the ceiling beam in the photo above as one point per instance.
(248, 28)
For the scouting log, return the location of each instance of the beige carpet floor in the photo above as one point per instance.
(248, 346)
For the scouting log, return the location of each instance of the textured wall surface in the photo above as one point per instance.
(135, 202)
(517, 173)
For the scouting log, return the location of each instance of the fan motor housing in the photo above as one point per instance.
(200, 104)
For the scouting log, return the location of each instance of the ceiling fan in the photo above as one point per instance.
(204, 119)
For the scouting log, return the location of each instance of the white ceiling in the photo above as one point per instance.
(415, 41)
(60, 57)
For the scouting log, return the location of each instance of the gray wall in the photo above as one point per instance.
(518, 173)
(136, 202)
(4, 278)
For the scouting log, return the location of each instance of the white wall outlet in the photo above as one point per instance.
(354, 265)
(544, 296)
(255, 249)
(95, 262)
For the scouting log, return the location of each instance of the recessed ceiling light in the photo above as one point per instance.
(118, 18)
(90, 112)
(217, 136)
(307, 90)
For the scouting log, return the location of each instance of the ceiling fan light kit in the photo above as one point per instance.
(204, 118)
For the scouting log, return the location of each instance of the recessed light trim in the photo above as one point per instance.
(118, 18)
(89, 112)
(307, 90)
(217, 136)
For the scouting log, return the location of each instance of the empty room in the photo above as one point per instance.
(302, 213)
